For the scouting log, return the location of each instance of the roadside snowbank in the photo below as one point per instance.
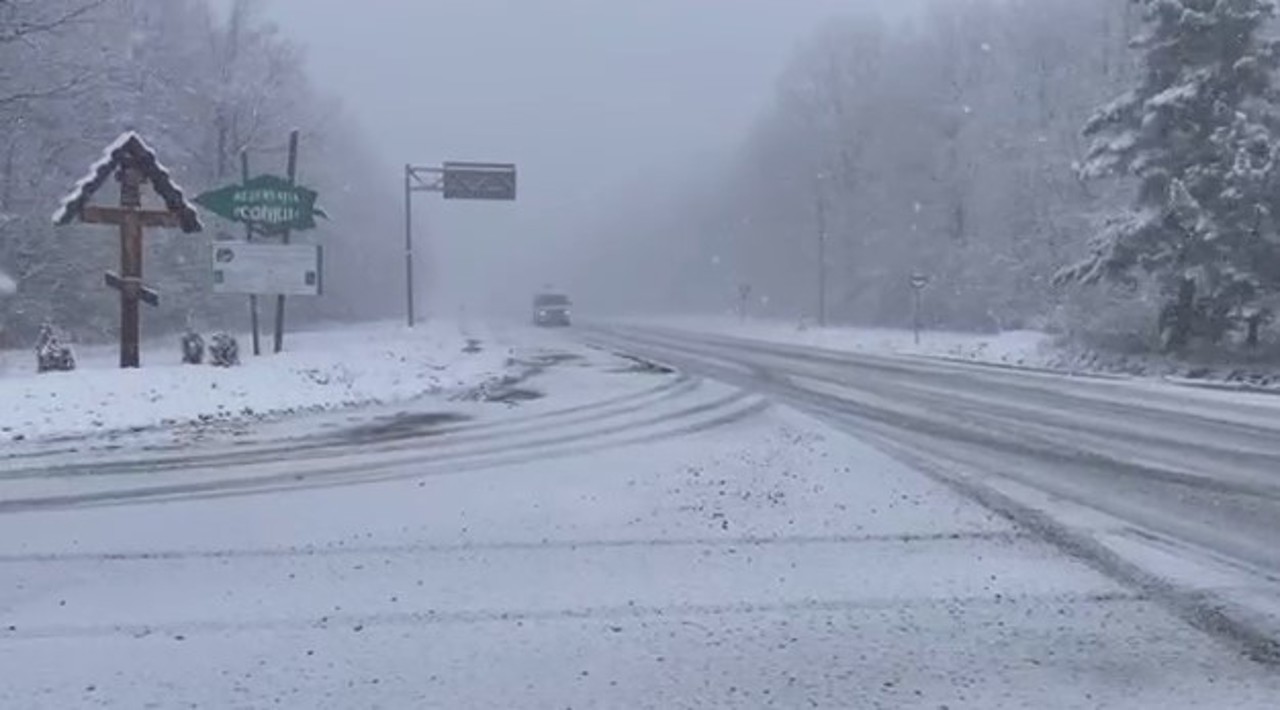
(1019, 348)
(320, 370)
(1026, 349)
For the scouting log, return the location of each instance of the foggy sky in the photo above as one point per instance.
(590, 97)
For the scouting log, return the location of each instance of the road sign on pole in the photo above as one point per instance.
(268, 203)
(479, 181)
(455, 181)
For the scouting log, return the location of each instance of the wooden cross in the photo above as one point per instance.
(133, 163)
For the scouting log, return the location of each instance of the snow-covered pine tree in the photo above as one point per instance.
(1197, 134)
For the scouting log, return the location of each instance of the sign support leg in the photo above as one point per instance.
(248, 237)
(292, 175)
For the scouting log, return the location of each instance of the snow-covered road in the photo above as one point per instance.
(1181, 479)
(599, 533)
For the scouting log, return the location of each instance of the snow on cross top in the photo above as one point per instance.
(161, 180)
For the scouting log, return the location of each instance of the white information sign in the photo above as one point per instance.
(267, 269)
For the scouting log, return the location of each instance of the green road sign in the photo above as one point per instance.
(267, 202)
(479, 181)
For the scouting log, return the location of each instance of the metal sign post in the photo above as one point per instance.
(409, 180)
(455, 181)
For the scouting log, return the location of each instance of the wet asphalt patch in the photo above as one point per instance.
(641, 366)
(402, 426)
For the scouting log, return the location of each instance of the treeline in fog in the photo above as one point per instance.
(1101, 168)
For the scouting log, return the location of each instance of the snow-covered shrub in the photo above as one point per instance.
(53, 355)
(224, 351)
(1114, 319)
(192, 348)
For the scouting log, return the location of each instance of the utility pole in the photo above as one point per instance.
(821, 211)
(408, 240)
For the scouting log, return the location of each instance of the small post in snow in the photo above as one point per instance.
(918, 283)
(744, 297)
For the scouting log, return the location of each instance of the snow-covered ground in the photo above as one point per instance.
(1019, 348)
(619, 535)
(320, 370)
(769, 561)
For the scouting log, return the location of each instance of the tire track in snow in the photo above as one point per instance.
(473, 547)
(357, 622)
(733, 407)
(337, 443)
